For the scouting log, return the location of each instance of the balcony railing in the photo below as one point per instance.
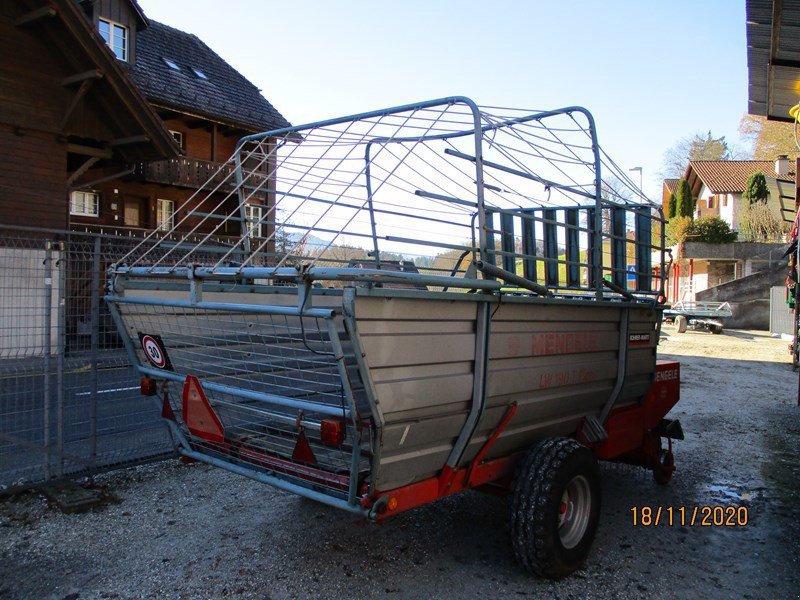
(120, 232)
(190, 173)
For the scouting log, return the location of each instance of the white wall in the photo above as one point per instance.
(22, 303)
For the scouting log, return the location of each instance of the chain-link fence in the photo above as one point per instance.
(69, 401)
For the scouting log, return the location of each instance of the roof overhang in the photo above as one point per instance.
(139, 133)
(773, 57)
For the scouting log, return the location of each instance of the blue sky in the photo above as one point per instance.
(651, 72)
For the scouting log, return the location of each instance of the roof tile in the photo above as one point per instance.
(226, 95)
(730, 176)
(671, 185)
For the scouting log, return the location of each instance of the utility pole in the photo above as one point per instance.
(641, 192)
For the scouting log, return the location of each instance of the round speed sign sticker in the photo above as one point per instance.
(154, 351)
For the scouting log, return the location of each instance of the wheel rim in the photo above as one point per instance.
(574, 512)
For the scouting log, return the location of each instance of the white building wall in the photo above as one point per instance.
(726, 203)
(22, 303)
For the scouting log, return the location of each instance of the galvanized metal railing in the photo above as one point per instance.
(270, 373)
(530, 192)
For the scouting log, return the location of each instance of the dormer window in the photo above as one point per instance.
(200, 74)
(115, 36)
(171, 63)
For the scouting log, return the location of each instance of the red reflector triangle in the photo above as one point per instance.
(200, 418)
(302, 450)
(166, 409)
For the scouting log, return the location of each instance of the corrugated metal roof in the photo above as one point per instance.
(773, 57)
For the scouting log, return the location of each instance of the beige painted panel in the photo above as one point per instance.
(369, 308)
(414, 327)
(388, 350)
(555, 380)
(425, 397)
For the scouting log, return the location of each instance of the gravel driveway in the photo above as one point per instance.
(190, 531)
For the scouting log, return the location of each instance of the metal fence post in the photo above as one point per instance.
(48, 322)
(61, 347)
(95, 350)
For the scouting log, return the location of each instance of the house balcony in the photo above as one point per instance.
(191, 173)
(184, 236)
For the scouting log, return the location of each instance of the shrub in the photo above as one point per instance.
(677, 230)
(711, 230)
(758, 223)
(684, 202)
(756, 189)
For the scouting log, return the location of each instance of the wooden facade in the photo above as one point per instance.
(121, 12)
(65, 106)
(33, 178)
(74, 125)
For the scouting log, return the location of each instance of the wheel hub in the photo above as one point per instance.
(574, 512)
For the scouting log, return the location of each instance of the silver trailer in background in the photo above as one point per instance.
(424, 299)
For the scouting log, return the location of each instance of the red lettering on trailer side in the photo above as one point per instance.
(552, 343)
(667, 375)
(566, 377)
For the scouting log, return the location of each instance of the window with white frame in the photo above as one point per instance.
(115, 36)
(178, 137)
(84, 204)
(165, 214)
(253, 214)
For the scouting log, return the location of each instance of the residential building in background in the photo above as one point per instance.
(718, 188)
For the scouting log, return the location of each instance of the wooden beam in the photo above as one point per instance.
(78, 77)
(82, 169)
(89, 151)
(213, 142)
(127, 141)
(87, 83)
(90, 184)
(34, 16)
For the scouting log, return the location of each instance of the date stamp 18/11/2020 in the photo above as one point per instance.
(690, 516)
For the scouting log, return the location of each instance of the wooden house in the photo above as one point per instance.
(66, 105)
(138, 115)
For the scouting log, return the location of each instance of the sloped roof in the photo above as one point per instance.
(671, 185)
(726, 176)
(225, 96)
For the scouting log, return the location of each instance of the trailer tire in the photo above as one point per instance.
(716, 329)
(681, 323)
(555, 507)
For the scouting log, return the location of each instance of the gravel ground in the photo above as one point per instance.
(190, 531)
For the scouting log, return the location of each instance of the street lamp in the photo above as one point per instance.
(641, 192)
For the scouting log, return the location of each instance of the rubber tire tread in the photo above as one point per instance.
(681, 324)
(532, 490)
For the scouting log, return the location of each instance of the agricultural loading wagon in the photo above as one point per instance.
(423, 300)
